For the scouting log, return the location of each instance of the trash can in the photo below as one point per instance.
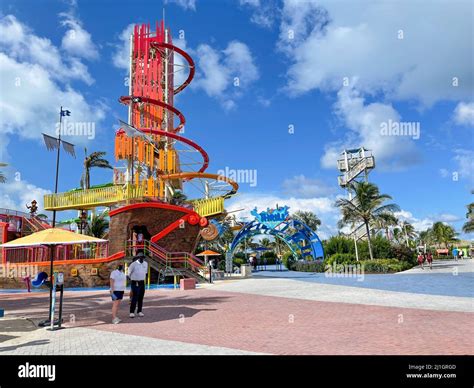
(246, 270)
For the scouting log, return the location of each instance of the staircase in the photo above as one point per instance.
(354, 169)
(170, 263)
(352, 164)
(32, 225)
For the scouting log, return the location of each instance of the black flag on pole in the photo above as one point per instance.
(51, 142)
(65, 112)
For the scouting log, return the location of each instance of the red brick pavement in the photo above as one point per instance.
(269, 324)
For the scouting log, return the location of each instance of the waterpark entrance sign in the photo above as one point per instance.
(272, 217)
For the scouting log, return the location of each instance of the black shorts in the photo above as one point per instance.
(117, 295)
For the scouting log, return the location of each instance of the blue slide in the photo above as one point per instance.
(39, 279)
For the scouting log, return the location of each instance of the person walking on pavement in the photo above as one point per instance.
(420, 260)
(429, 259)
(117, 288)
(137, 273)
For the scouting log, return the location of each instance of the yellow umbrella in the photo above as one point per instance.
(51, 236)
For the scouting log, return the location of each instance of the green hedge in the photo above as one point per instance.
(308, 266)
(385, 265)
(369, 266)
(381, 248)
(341, 258)
(288, 259)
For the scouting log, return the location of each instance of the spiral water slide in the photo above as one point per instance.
(173, 132)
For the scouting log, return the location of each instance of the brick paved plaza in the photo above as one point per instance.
(271, 313)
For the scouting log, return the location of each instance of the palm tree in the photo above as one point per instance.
(426, 237)
(3, 178)
(265, 242)
(408, 231)
(99, 225)
(384, 221)
(444, 234)
(308, 218)
(178, 198)
(95, 159)
(365, 207)
(398, 235)
(468, 227)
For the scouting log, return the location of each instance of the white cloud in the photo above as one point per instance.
(443, 172)
(30, 101)
(221, 74)
(333, 40)
(77, 41)
(214, 75)
(364, 122)
(20, 43)
(15, 195)
(303, 187)
(185, 4)
(34, 85)
(225, 74)
(264, 14)
(323, 207)
(121, 56)
(464, 113)
(427, 222)
(465, 163)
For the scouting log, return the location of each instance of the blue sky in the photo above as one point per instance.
(333, 70)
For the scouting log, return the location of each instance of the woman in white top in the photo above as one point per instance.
(118, 281)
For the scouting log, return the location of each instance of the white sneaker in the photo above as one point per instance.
(132, 315)
(116, 320)
(140, 314)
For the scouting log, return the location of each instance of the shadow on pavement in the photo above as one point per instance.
(31, 343)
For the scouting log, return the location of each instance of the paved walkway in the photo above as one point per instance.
(265, 314)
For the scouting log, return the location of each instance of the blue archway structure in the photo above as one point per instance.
(300, 238)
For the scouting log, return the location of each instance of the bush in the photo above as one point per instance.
(341, 258)
(288, 259)
(269, 255)
(403, 253)
(385, 265)
(338, 244)
(381, 248)
(308, 266)
(238, 261)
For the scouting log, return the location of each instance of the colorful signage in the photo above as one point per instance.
(271, 217)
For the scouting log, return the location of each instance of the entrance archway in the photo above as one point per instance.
(302, 241)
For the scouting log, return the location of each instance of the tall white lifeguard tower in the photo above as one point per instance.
(355, 165)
